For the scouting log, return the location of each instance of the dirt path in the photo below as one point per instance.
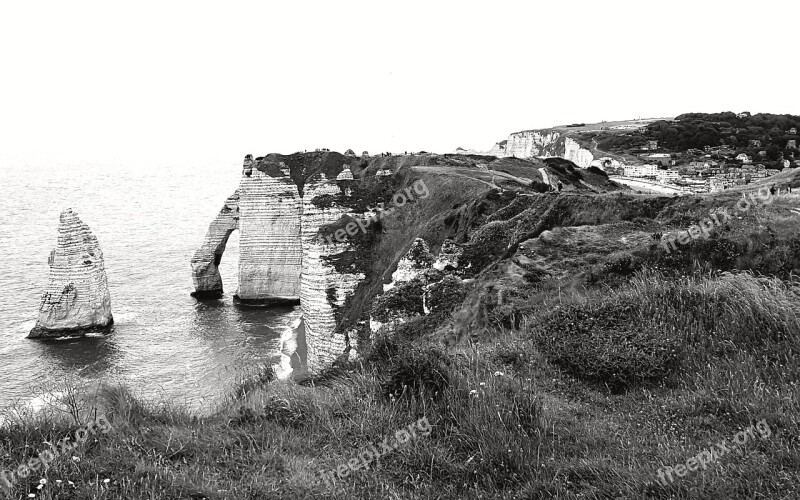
(476, 173)
(449, 171)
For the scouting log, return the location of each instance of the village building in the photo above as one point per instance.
(663, 159)
(716, 184)
(664, 176)
(640, 170)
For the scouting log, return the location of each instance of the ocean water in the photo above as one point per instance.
(148, 221)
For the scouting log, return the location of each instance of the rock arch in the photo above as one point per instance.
(281, 209)
(205, 262)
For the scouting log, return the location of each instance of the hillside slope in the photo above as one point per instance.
(538, 344)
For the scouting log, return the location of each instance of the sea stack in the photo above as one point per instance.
(76, 300)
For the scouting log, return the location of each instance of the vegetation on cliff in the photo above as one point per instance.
(742, 132)
(568, 355)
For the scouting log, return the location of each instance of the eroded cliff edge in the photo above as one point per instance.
(76, 300)
(329, 230)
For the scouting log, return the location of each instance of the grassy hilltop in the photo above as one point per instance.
(572, 354)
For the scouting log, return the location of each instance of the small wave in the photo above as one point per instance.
(283, 368)
(288, 339)
(125, 317)
(26, 325)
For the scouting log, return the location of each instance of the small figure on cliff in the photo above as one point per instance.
(560, 186)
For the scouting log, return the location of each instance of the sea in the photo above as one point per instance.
(165, 345)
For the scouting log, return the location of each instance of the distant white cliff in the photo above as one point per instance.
(545, 143)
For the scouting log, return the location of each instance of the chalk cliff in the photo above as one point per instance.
(270, 207)
(76, 300)
(324, 289)
(499, 149)
(310, 232)
(533, 143)
(576, 154)
(543, 144)
(280, 209)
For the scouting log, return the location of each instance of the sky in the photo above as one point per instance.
(180, 83)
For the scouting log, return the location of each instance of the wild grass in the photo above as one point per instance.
(507, 422)
(585, 393)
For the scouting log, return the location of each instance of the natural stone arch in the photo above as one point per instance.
(205, 262)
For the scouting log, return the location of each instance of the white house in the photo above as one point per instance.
(663, 176)
(641, 170)
(744, 158)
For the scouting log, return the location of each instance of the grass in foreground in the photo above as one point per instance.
(520, 414)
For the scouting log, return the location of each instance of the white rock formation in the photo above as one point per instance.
(205, 262)
(414, 262)
(323, 289)
(532, 143)
(269, 242)
(498, 150)
(448, 256)
(576, 154)
(76, 300)
(282, 258)
(345, 174)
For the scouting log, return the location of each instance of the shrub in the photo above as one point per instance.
(416, 372)
(419, 326)
(602, 343)
(445, 295)
(405, 299)
(597, 171)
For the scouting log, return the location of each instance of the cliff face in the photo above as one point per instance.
(76, 300)
(576, 154)
(533, 143)
(313, 233)
(542, 144)
(323, 288)
(270, 208)
(284, 257)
